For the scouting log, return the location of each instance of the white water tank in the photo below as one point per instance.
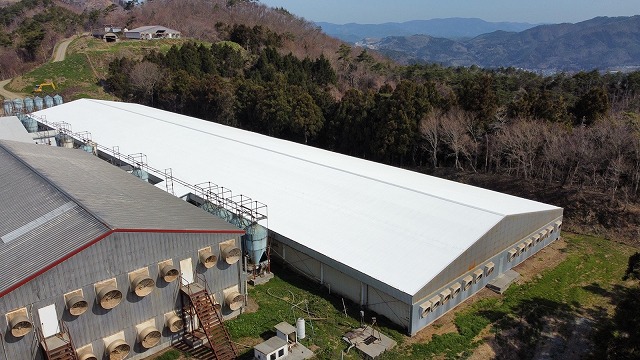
(300, 328)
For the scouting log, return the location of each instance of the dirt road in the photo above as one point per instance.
(6, 93)
(61, 50)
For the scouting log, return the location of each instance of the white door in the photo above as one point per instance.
(186, 268)
(49, 320)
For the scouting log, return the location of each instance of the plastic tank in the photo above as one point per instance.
(255, 241)
(57, 100)
(300, 328)
(64, 140)
(48, 101)
(29, 123)
(38, 103)
(28, 104)
(18, 105)
(8, 107)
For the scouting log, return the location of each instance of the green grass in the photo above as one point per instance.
(169, 355)
(578, 286)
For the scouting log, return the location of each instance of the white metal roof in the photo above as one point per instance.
(397, 226)
(12, 129)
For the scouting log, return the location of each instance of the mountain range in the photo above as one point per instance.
(451, 28)
(604, 43)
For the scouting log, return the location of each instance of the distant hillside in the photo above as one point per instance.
(451, 28)
(599, 43)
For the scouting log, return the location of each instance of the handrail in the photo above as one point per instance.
(241, 205)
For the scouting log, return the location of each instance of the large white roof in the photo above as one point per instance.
(388, 223)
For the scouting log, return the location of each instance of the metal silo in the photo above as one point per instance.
(139, 173)
(28, 104)
(18, 105)
(29, 123)
(48, 101)
(8, 107)
(255, 241)
(57, 100)
(38, 103)
(64, 140)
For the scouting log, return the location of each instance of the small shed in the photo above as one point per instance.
(272, 349)
(287, 332)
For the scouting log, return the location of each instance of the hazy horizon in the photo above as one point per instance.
(378, 11)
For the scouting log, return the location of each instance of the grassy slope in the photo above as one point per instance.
(580, 286)
(86, 64)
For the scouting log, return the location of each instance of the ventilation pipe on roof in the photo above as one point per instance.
(118, 350)
(207, 258)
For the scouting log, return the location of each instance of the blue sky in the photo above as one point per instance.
(532, 11)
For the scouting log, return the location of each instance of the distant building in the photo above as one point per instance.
(152, 32)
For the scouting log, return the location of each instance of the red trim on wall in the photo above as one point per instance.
(94, 241)
(183, 231)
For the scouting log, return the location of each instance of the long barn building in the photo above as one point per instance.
(95, 261)
(405, 245)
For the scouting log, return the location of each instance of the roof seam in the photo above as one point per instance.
(305, 160)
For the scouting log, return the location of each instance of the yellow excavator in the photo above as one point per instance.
(38, 88)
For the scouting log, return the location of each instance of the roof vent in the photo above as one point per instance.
(230, 252)
(19, 323)
(108, 295)
(173, 322)
(168, 272)
(141, 283)
(207, 258)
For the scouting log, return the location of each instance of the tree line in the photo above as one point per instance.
(575, 129)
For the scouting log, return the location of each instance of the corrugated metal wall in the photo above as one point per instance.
(508, 231)
(114, 257)
(501, 263)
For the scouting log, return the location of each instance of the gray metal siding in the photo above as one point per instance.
(508, 231)
(501, 263)
(395, 310)
(119, 199)
(115, 256)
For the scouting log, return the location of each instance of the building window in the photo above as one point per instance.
(280, 352)
(273, 356)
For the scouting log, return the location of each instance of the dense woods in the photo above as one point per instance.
(578, 129)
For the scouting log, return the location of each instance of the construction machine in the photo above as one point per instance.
(38, 88)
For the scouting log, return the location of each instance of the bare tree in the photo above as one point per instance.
(430, 131)
(521, 142)
(455, 135)
(145, 77)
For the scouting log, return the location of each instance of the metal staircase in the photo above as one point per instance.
(59, 346)
(210, 321)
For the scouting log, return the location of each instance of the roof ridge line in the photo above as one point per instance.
(308, 161)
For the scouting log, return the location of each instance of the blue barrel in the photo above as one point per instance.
(38, 103)
(57, 100)
(28, 104)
